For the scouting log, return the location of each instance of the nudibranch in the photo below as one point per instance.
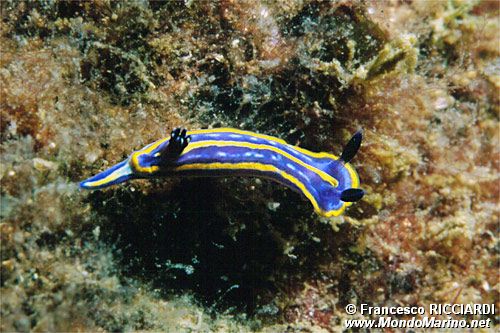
(329, 182)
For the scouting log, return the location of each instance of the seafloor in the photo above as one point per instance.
(83, 84)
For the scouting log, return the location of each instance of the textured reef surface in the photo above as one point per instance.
(83, 84)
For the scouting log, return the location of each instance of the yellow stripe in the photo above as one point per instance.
(265, 137)
(202, 144)
(134, 158)
(265, 168)
(103, 181)
(109, 178)
(350, 169)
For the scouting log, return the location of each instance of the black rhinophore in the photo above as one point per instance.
(350, 150)
(352, 147)
(352, 195)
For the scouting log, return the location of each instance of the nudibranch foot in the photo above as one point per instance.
(329, 182)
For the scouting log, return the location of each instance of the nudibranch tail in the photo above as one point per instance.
(118, 173)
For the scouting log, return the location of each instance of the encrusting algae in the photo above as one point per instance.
(85, 83)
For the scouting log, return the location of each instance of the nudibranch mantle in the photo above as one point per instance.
(329, 182)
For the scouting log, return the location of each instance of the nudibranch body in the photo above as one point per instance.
(329, 182)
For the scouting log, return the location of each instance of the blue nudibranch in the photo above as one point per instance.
(329, 182)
